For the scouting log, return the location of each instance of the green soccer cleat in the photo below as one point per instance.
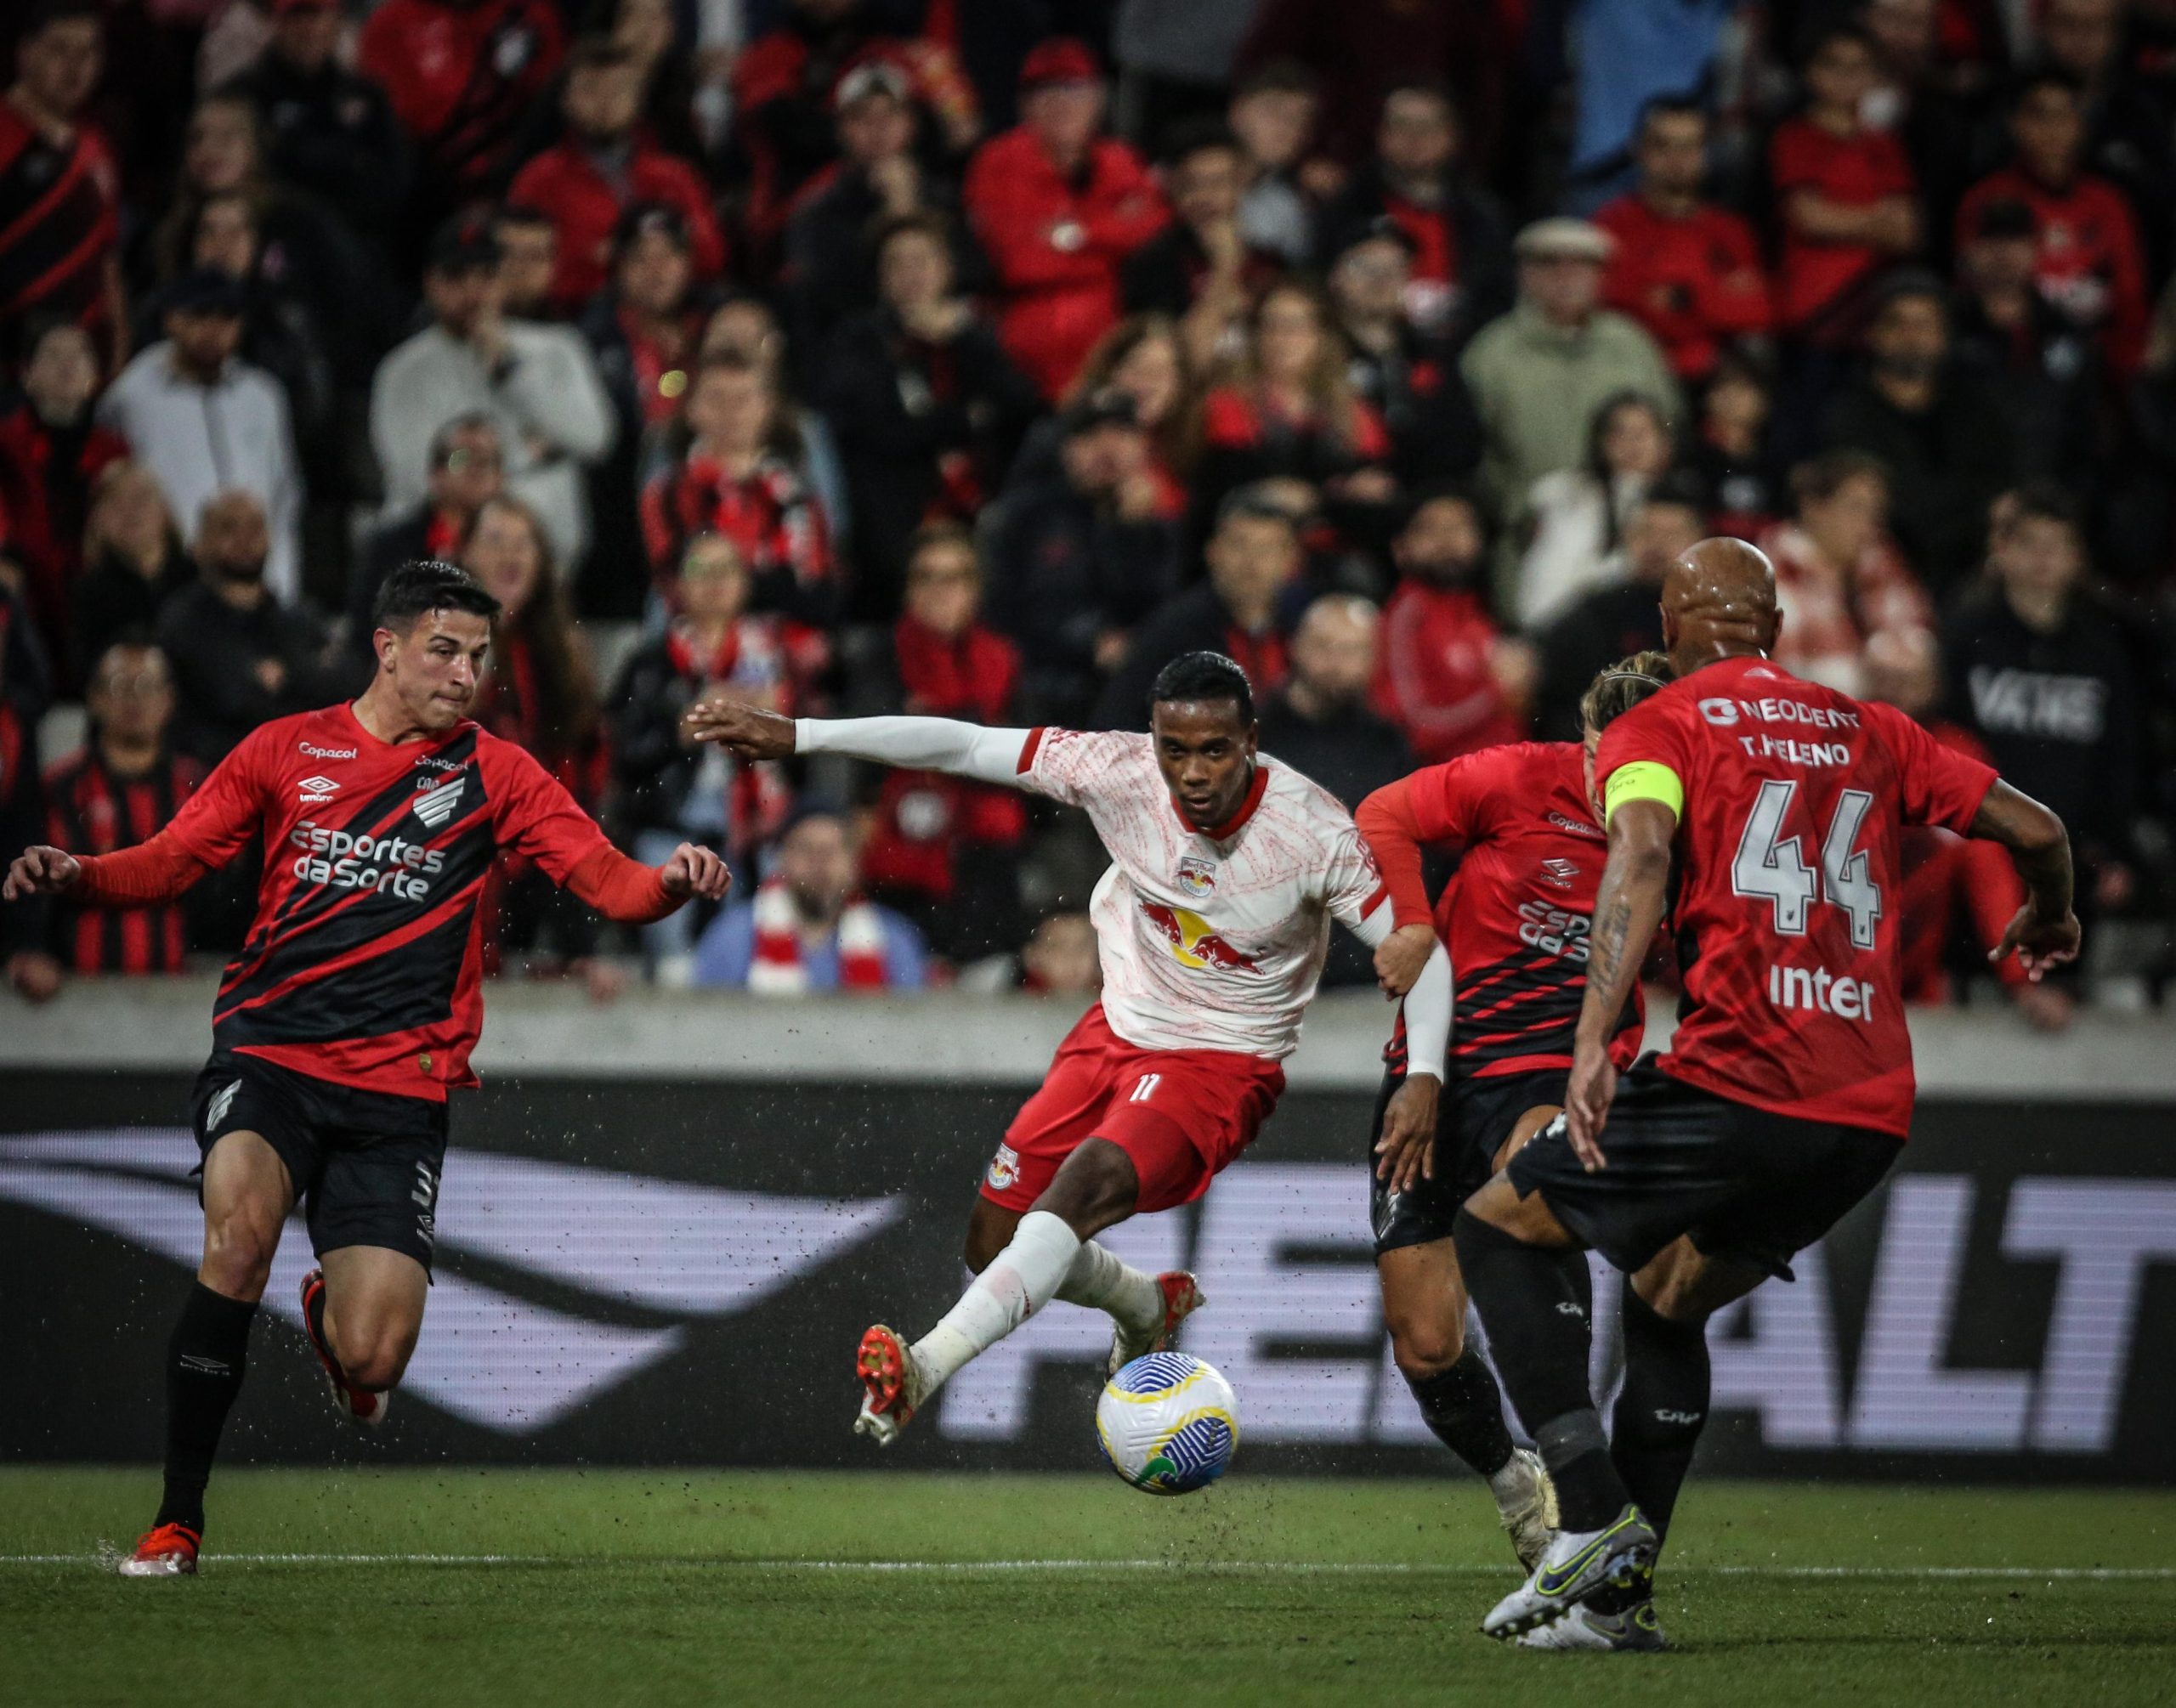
(1576, 1566)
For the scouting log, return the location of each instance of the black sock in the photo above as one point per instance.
(1465, 1409)
(1660, 1411)
(1536, 1305)
(204, 1361)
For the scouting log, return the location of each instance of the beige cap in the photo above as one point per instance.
(1562, 239)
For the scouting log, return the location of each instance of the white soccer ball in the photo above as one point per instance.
(1168, 1423)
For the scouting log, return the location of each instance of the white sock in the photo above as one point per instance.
(1100, 1280)
(1020, 1281)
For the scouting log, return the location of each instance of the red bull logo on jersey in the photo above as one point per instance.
(1193, 942)
(1198, 876)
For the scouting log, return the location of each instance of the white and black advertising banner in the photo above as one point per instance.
(645, 1273)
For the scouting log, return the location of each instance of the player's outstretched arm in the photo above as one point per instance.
(912, 743)
(630, 893)
(1628, 907)
(140, 877)
(2045, 932)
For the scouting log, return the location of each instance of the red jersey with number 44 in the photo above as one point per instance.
(1789, 884)
(1515, 915)
(362, 964)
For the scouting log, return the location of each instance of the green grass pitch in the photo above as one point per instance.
(397, 1589)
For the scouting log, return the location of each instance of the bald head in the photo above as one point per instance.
(1719, 602)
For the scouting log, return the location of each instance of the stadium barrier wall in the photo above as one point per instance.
(652, 1258)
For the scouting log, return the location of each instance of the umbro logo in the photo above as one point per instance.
(436, 806)
(317, 790)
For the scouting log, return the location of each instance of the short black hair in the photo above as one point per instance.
(1198, 134)
(1254, 502)
(1678, 106)
(2041, 500)
(1204, 678)
(44, 16)
(424, 584)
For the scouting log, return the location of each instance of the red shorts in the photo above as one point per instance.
(1182, 1115)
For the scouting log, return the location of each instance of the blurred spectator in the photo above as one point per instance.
(1444, 675)
(328, 130)
(603, 165)
(829, 268)
(467, 471)
(1935, 67)
(1459, 275)
(1142, 357)
(782, 92)
(122, 790)
(1539, 373)
(1243, 610)
(2128, 139)
(1273, 113)
(676, 75)
(1321, 723)
(535, 381)
(1409, 377)
(51, 454)
(1063, 958)
(1842, 191)
(1059, 208)
(808, 928)
(1683, 268)
(1932, 426)
(1578, 514)
(2089, 260)
(927, 407)
(644, 333)
(240, 657)
(57, 243)
(1839, 580)
(672, 789)
(1623, 615)
(2039, 364)
(462, 76)
(2040, 673)
(1200, 270)
(133, 563)
(204, 421)
(746, 324)
(1627, 54)
(942, 850)
(1288, 412)
(1948, 878)
(737, 478)
(1733, 447)
(1078, 554)
(527, 239)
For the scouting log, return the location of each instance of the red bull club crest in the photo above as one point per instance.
(1198, 875)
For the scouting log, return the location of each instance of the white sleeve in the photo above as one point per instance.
(920, 744)
(1429, 1005)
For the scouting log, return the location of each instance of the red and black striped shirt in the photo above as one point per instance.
(92, 809)
(58, 221)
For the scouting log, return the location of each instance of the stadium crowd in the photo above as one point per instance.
(974, 356)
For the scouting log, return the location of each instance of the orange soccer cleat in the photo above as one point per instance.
(1181, 1299)
(167, 1551)
(357, 1404)
(892, 1385)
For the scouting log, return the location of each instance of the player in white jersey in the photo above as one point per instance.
(1213, 921)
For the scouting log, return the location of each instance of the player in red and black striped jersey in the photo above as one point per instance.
(1764, 814)
(60, 195)
(354, 1002)
(1515, 918)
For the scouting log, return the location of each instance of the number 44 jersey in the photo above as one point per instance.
(1789, 892)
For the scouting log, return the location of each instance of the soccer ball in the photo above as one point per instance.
(1168, 1423)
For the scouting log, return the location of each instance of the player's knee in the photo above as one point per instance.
(377, 1363)
(1426, 1345)
(238, 1251)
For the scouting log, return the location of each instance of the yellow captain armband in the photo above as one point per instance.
(1643, 779)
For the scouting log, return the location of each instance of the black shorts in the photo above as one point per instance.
(1748, 1186)
(364, 1163)
(1473, 1119)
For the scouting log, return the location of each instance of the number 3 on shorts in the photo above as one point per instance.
(1145, 1088)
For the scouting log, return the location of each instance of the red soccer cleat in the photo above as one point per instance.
(1181, 1299)
(168, 1550)
(892, 1386)
(357, 1404)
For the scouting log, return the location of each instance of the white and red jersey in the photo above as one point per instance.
(1209, 939)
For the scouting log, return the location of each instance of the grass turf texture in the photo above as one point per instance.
(739, 1588)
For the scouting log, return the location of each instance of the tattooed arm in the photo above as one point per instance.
(1635, 891)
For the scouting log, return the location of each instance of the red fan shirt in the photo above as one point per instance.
(1856, 170)
(1790, 883)
(1516, 915)
(1693, 283)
